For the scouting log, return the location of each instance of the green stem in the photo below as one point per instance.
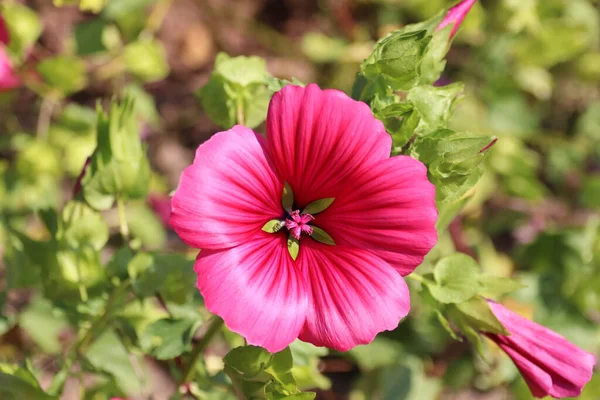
(213, 328)
(45, 116)
(240, 111)
(123, 220)
(79, 348)
(416, 277)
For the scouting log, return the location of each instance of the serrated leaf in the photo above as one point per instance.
(318, 206)
(293, 246)
(491, 286)
(287, 197)
(321, 236)
(455, 279)
(478, 314)
(434, 105)
(273, 226)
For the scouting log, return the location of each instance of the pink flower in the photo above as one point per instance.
(380, 225)
(161, 205)
(551, 365)
(456, 15)
(8, 77)
(4, 34)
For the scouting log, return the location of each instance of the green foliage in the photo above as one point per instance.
(236, 91)
(64, 75)
(119, 167)
(107, 293)
(20, 383)
(256, 374)
(146, 60)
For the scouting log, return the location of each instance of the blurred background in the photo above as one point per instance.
(532, 75)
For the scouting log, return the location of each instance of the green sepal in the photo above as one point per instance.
(318, 206)
(293, 246)
(321, 236)
(273, 226)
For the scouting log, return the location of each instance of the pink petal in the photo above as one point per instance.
(568, 366)
(355, 295)
(456, 15)
(388, 209)
(229, 192)
(257, 290)
(318, 138)
(8, 77)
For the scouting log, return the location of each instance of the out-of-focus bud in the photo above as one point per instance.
(8, 77)
(456, 15)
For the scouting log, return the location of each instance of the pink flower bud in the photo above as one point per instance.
(8, 77)
(456, 15)
(4, 35)
(549, 363)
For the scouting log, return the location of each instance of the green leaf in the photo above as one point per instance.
(478, 314)
(491, 286)
(63, 74)
(43, 323)
(119, 165)
(249, 361)
(456, 279)
(273, 226)
(434, 105)
(168, 338)
(214, 98)
(81, 225)
(145, 225)
(293, 246)
(397, 59)
(287, 197)
(241, 70)
(94, 6)
(321, 236)
(88, 37)
(147, 60)
(19, 383)
(433, 62)
(318, 206)
(453, 160)
(23, 24)
(108, 354)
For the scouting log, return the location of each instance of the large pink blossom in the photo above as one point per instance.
(381, 223)
(8, 77)
(456, 15)
(549, 363)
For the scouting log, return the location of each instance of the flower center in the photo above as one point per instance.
(297, 224)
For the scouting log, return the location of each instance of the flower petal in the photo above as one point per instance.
(256, 289)
(568, 366)
(229, 192)
(355, 295)
(317, 138)
(388, 209)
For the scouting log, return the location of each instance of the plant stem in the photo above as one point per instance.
(97, 326)
(123, 220)
(416, 277)
(213, 328)
(45, 116)
(240, 111)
